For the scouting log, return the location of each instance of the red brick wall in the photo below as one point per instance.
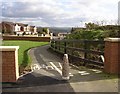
(112, 57)
(41, 39)
(10, 72)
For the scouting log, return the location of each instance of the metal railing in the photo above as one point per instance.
(87, 51)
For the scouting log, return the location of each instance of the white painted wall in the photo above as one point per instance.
(28, 28)
(25, 28)
(35, 29)
(48, 31)
(17, 27)
(28, 32)
(19, 33)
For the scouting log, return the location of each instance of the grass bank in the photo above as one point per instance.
(23, 57)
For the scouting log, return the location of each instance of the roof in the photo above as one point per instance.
(20, 24)
(10, 23)
(32, 26)
(13, 24)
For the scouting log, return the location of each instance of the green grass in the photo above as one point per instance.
(23, 57)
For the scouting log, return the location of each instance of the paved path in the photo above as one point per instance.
(43, 79)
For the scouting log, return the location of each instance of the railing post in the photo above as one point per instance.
(72, 51)
(112, 55)
(59, 45)
(65, 47)
(55, 45)
(85, 47)
(51, 43)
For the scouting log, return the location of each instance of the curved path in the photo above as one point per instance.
(44, 78)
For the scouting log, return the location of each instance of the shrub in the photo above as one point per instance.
(87, 34)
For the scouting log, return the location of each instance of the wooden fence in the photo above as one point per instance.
(87, 51)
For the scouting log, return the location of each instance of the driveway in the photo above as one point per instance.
(44, 78)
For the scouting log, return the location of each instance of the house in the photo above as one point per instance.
(25, 28)
(7, 27)
(47, 33)
(44, 32)
(18, 28)
(63, 34)
(33, 29)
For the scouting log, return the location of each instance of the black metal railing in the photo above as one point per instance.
(88, 51)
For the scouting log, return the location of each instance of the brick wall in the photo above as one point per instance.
(41, 39)
(10, 70)
(112, 55)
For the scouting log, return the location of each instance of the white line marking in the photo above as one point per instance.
(56, 68)
(71, 75)
(93, 70)
(81, 72)
(35, 67)
(85, 73)
(49, 68)
(98, 72)
(43, 66)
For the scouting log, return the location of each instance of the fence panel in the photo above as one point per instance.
(87, 51)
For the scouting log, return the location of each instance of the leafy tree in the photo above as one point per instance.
(72, 30)
(44, 30)
(91, 26)
(87, 34)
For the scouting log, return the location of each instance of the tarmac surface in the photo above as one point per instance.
(45, 78)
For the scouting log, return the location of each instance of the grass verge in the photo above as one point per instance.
(23, 57)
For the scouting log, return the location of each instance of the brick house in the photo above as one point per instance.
(7, 27)
(18, 28)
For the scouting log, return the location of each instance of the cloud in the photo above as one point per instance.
(60, 12)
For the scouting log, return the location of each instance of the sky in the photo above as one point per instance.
(59, 13)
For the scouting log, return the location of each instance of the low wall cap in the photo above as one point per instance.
(112, 39)
(9, 48)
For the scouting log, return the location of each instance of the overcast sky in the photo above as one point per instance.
(60, 12)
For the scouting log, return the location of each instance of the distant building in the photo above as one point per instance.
(62, 35)
(7, 27)
(44, 32)
(18, 28)
(48, 33)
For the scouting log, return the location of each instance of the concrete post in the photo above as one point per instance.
(112, 55)
(65, 68)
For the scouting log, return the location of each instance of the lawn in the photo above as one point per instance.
(23, 57)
